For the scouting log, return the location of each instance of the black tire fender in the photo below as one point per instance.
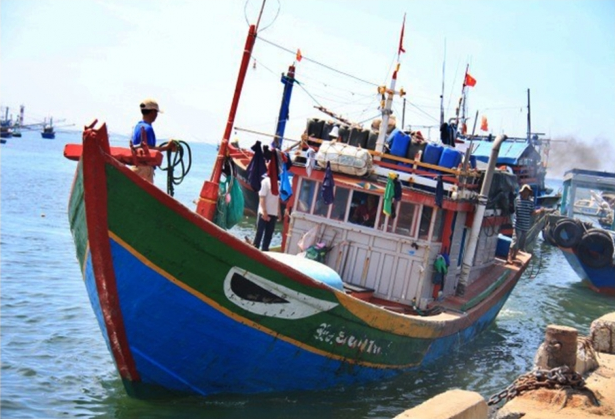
(595, 249)
(567, 232)
(547, 234)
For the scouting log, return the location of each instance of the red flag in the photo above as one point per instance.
(484, 125)
(470, 81)
(299, 56)
(401, 37)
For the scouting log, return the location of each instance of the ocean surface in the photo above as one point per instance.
(55, 363)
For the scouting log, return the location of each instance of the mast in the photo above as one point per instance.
(387, 101)
(288, 80)
(442, 94)
(462, 104)
(208, 199)
(529, 119)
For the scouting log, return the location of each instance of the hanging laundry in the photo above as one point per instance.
(310, 161)
(286, 190)
(328, 185)
(257, 167)
(272, 172)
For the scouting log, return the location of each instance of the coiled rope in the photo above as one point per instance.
(182, 158)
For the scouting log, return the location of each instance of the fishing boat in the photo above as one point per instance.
(527, 157)
(595, 206)
(185, 307)
(6, 126)
(587, 245)
(48, 130)
(18, 125)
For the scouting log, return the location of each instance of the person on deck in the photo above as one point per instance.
(268, 213)
(524, 211)
(144, 134)
(365, 214)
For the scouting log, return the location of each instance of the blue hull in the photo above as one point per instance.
(601, 280)
(225, 355)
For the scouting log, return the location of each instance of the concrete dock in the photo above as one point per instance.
(586, 390)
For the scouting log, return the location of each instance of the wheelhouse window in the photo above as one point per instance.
(431, 222)
(405, 219)
(340, 202)
(320, 208)
(364, 208)
(425, 222)
(306, 195)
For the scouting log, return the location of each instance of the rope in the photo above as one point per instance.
(534, 273)
(318, 63)
(175, 159)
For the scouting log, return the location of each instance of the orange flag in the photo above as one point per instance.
(470, 81)
(484, 125)
(299, 56)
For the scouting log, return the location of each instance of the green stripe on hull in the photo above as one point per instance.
(201, 262)
(76, 211)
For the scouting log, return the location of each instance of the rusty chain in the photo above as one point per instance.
(555, 378)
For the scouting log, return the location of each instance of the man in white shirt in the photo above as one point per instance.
(268, 213)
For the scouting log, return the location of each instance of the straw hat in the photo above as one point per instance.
(526, 188)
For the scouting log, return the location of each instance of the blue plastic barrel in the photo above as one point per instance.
(432, 153)
(503, 246)
(399, 144)
(450, 158)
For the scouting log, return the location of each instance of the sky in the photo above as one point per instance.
(77, 61)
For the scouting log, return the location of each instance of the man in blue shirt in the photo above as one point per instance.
(144, 134)
(524, 211)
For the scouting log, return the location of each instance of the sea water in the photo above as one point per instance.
(55, 363)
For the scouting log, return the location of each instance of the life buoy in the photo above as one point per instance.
(567, 232)
(595, 249)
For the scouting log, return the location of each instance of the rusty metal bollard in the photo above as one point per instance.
(558, 349)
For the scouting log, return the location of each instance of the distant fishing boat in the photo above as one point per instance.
(588, 246)
(19, 123)
(187, 307)
(595, 206)
(6, 126)
(48, 130)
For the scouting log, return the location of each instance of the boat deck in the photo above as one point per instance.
(454, 305)
(478, 287)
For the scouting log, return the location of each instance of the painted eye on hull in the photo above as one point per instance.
(261, 296)
(250, 291)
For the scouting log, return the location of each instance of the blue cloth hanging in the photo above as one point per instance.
(327, 185)
(257, 167)
(286, 191)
